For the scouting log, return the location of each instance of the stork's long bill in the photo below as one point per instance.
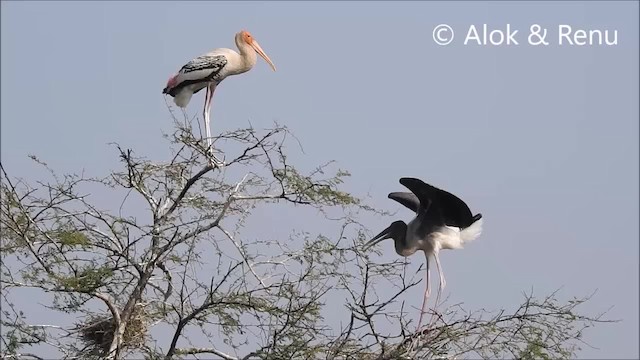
(397, 231)
(254, 44)
(385, 234)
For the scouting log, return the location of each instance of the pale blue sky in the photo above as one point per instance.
(542, 140)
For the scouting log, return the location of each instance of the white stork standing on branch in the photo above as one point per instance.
(210, 69)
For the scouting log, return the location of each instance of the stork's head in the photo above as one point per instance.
(396, 231)
(245, 37)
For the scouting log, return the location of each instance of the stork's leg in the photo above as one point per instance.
(443, 283)
(427, 292)
(207, 120)
(207, 111)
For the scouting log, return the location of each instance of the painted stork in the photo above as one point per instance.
(210, 69)
(443, 221)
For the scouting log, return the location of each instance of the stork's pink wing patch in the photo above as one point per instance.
(173, 81)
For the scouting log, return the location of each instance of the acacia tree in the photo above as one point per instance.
(186, 280)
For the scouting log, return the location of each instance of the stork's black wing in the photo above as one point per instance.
(211, 63)
(454, 211)
(200, 70)
(408, 199)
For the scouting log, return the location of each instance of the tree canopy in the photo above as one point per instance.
(186, 280)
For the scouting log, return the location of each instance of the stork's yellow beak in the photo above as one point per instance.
(258, 49)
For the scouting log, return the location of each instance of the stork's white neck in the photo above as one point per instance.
(246, 59)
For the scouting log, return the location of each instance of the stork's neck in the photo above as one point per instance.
(400, 240)
(248, 57)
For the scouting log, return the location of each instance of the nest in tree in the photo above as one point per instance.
(97, 332)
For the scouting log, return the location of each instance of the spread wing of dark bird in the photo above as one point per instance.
(408, 199)
(454, 211)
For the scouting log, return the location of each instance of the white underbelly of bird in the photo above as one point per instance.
(446, 237)
(183, 96)
(450, 237)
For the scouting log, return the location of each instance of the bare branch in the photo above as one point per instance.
(194, 351)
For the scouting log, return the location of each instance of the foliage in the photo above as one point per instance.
(183, 263)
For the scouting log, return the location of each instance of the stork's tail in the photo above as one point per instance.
(183, 97)
(472, 231)
(171, 83)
